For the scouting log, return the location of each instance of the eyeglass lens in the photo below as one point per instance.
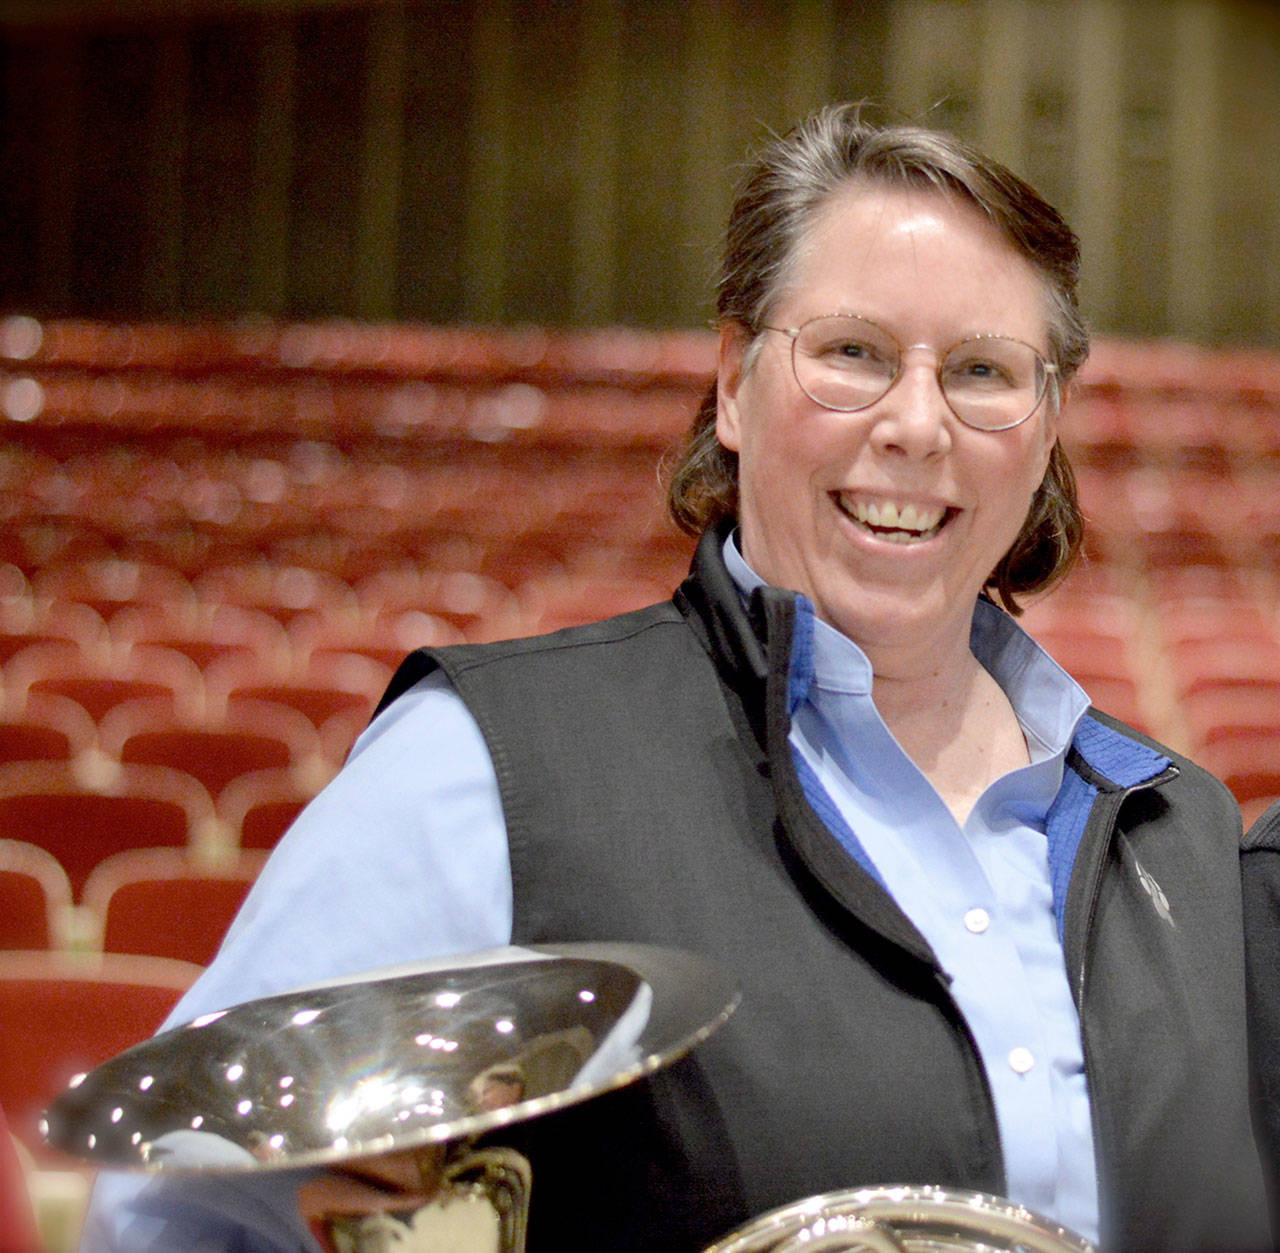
(848, 363)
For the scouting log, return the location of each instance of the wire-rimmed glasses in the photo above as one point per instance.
(846, 363)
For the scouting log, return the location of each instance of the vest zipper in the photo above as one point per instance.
(1115, 802)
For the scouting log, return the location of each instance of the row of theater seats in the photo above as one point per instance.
(285, 614)
(170, 902)
(217, 542)
(210, 512)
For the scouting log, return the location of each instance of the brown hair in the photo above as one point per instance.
(790, 181)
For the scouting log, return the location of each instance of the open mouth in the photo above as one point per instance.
(897, 523)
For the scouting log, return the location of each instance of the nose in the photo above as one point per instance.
(912, 418)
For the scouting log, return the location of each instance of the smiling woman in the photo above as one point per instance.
(939, 273)
(769, 235)
(987, 937)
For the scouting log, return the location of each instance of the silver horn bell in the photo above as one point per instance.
(409, 1061)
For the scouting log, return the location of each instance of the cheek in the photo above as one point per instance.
(764, 431)
(1007, 484)
(1029, 460)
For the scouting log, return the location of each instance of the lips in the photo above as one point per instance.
(895, 521)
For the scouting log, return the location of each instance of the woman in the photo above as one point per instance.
(986, 938)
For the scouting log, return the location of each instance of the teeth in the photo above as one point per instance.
(900, 524)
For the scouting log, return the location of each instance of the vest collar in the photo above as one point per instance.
(752, 650)
(709, 600)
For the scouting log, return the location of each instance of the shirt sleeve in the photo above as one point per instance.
(403, 857)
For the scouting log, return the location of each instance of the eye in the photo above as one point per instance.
(989, 372)
(845, 351)
(985, 370)
(852, 348)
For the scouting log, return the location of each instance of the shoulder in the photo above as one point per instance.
(1170, 791)
(1187, 772)
(406, 845)
(572, 646)
(1264, 834)
(428, 717)
(585, 665)
(636, 629)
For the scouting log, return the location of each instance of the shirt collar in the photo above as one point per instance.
(1048, 702)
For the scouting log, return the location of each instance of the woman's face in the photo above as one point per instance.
(812, 482)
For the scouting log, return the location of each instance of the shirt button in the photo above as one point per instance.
(1021, 1060)
(977, 920)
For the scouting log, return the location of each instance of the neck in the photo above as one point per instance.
(952, 719)
(928, 692)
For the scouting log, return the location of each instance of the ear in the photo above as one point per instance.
(729, 377)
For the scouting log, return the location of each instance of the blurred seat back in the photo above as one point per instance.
(35, 897)
(82, 821)
(167, 903)
(257, 809)
(246, 735)
(99, 684)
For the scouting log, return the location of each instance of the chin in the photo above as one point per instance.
(872, 616)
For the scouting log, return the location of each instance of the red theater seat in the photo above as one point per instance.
(41, 539)
(46, 728)
(478, 606)
(281, 591)
(320, 686)
(81, 821)
(166, 903)
(336, 692)
(25, 621)
(206, 632)
(386, 639)
(260, 807)
(35, 897)
(1193, 620)
(62, 1014)
(1247, 760)
(245, 735)
(1217, 711)
(145, 671)
(109, 585)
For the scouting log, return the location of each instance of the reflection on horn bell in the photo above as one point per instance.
(401, 1066)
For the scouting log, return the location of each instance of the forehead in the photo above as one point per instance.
(917, 260)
